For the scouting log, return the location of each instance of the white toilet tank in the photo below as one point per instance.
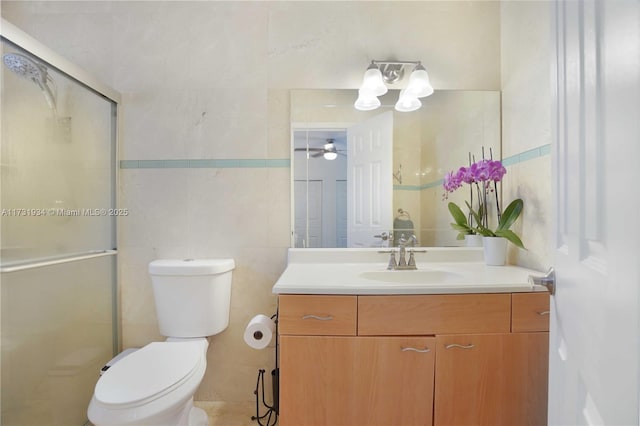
(192, 296)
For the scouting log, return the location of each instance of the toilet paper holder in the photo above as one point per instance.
(271, 415)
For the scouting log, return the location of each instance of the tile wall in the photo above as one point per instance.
(526, 125)
(204, 126)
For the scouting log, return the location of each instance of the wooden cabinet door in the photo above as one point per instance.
(363, 381)
(395, 381)
(491, 379)
(317, 381)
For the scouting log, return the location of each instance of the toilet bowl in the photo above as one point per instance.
(155, 384)
(152, 386)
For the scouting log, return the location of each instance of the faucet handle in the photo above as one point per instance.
(412, 260)
(392, 261)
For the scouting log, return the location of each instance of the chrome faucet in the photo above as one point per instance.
(402, 263)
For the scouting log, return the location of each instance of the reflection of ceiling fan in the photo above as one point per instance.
(328, 151)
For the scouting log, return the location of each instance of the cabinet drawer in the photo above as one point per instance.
(530, 312)
(317, 315)
(434, 314)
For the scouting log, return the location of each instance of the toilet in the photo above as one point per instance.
(155, 384)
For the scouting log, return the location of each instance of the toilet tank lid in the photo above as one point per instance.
(181, 267)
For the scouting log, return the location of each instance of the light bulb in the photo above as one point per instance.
(366, 101)
(407, 102)
(330, 155)
(419, 85)
(372, 83)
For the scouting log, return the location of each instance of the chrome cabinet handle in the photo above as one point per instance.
(410, 349)
(455, 345)
(543, 313)
(315, 317)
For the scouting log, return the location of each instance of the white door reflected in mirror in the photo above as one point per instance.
(427, 143)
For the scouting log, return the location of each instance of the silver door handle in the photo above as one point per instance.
(410, 349)
(315, 317)
(455, 345)
(548, 280)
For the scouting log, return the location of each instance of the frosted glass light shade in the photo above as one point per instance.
(407, 102)
(372, 83)
(419, 85)
(366, 101)
(330, 155)
(330, 152)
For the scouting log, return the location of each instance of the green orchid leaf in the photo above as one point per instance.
(485, 232)
(462, 228)
(511, 237)
(460, 236)
(458, 215)
(510, 214)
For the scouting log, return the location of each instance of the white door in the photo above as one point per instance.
(341, 213)
(595, 335)
(308, 220)
(370, 189)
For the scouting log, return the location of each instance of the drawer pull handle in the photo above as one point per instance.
(315, 317)
(455, 345)
(410, 349)
(543, 313)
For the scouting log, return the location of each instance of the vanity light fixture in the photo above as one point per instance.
(380, 72)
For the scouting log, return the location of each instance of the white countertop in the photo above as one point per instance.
(364, 271)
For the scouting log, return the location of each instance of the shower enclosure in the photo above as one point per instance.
(57, 234)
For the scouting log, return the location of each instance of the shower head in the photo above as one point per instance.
(24, 67)
(31, 70)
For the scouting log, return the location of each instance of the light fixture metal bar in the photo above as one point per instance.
(376, 62)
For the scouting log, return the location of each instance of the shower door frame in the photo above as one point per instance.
(19, 38)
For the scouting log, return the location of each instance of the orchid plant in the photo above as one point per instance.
(482, 177)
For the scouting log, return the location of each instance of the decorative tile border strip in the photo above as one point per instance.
(240, 163)
(530, 154)
(522, 157)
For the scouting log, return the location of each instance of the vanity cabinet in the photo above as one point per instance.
(459, 359)
(491, 379)
(336, 380)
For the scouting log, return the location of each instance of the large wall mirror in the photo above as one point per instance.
(340, 153)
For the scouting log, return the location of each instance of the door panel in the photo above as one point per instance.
(308, 220)
(594, 313)
(395, 381)
(370, 189)
(500, 379)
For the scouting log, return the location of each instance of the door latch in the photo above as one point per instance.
(548, 280)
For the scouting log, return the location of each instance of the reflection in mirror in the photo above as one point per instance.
(328, 197)
(319, 188)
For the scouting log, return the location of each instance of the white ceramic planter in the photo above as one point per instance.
(473, 240)
(495, 250)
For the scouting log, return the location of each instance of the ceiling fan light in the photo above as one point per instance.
(330, 155)
(407, 102)
(372, 83)
(419, 85)
(366, 101)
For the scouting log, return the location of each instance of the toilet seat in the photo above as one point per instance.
(149, 373)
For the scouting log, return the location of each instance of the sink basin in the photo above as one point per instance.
(412, 277)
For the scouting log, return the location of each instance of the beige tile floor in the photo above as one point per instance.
(225, 413)
(229, 413)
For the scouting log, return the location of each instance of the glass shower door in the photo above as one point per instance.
(57, 241)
